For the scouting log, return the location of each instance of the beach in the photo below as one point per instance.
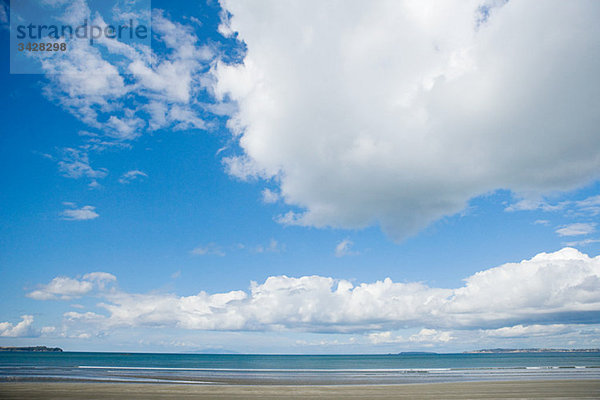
(566, 389)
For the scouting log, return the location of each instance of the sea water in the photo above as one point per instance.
(296, 369)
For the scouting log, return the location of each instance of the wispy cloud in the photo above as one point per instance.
(209, 249)
(583, 242)
(424, 336)
(589, 206)
(79, 214)
(344, 248)
(576, 229)
(132, 175)
(76, 164)
(273, 247)
(536, 204)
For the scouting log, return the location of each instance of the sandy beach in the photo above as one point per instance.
(464, 390)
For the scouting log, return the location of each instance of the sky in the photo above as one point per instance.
(306, 177)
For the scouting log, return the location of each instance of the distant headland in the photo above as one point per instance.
(534, 350)
(43, 349)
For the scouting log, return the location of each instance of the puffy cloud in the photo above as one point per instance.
(133, 89)
(21, 329)
(80, 214)
(384, 337)
(576, 229)
(548, 289)
(132, 175)
(101, 279)
(549, 286)
(66, 288)
(398, 112)
(431, 336)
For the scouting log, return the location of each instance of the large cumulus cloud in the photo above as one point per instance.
(398, 112)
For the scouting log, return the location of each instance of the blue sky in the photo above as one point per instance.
(253, 188)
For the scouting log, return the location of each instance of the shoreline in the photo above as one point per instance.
(556, 389)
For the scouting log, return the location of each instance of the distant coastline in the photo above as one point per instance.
(534, 350)
(41, 349)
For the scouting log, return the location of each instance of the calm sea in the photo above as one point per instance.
(294, 369)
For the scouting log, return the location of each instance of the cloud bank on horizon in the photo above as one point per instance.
(398, 112)
(551, 291)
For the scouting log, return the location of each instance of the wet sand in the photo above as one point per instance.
(567, 389)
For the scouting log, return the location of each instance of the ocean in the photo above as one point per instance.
(295, 369)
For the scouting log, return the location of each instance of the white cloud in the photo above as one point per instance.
(21, 329)
(583, 242)
(87, 316)
(100, 278)
(343, 248)
(80, 214)
(397, 113)
(48, 330)
(132, 175)
(273, 247)
(270, 196)
(550, 288)
(209, 249)
(431, 336)
(424, 336)
(536, 204)
(576, 229)
(528, 331)
(165, 85)
(65, 288)
(384, 337)
(590, 205)
(76, 164)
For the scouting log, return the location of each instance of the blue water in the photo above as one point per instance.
(296, 369)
